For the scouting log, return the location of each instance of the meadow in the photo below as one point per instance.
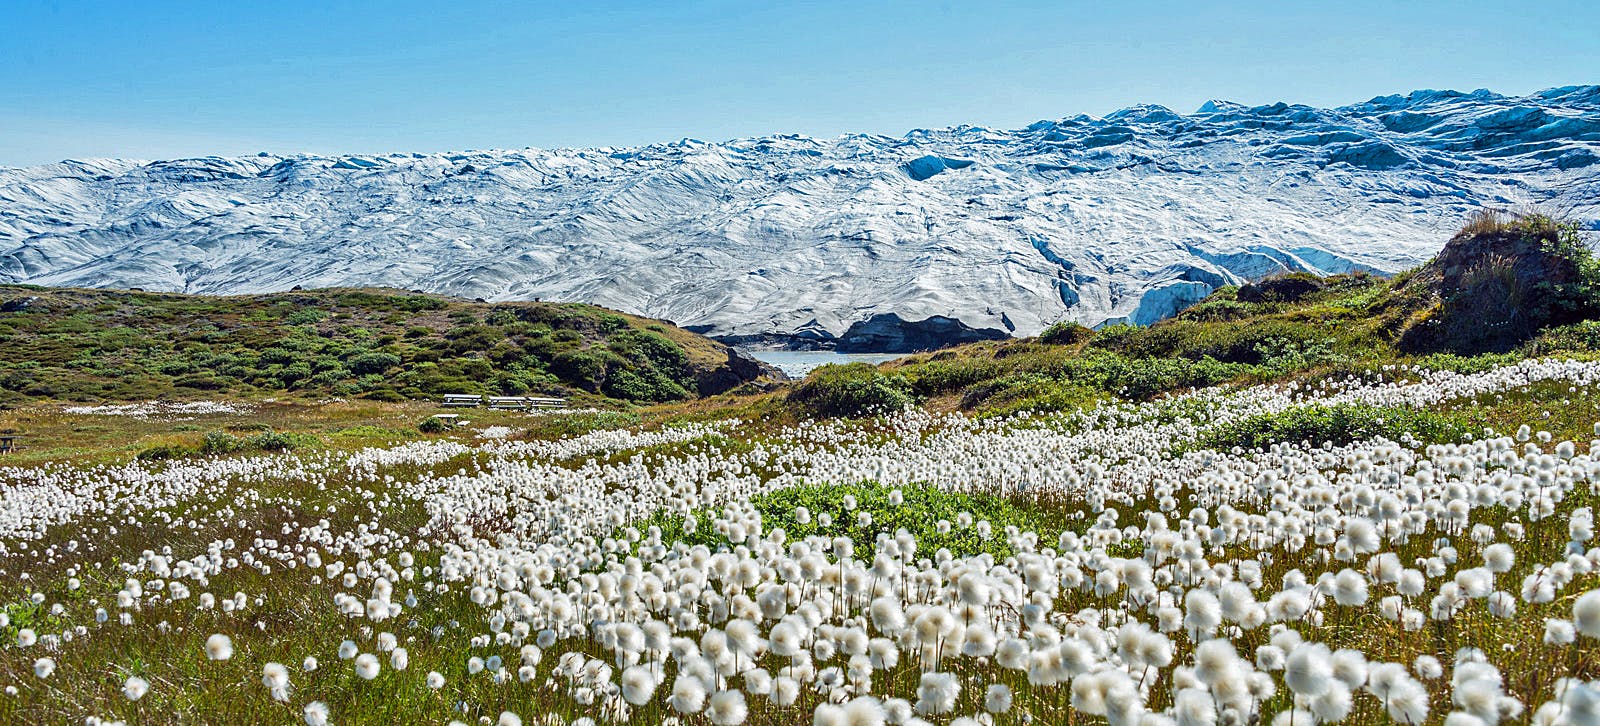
(1173, 560)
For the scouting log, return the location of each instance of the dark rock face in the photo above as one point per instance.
(776, 341)
(1491, 292)
(888, 333)
(739, 370)
(17, 305)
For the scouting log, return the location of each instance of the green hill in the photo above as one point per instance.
(95, 345)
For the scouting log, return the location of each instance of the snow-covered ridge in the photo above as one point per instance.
(1133, 215)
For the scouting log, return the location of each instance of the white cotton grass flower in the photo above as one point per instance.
(1293, 716)
(219, 647)
(26, 637)
(1013, 653)
(1502, 604)
(638, 685)
(434, 680)
(1270, 657)
(785, 690)
(1407, 701)
(1350, 588)
(508, 718)
(135, 687)
(1350, 667)
(367, 666)
(316, 714)
(1586, 614)
(275, 676)
(1499, 558)
(827, 714)
(1333, 705)
(1308, 669)
(726, 708)
(1194, 706)
(937, 693)
(43, 667)
(1428, 667)
(348, 649)
(997, 699)
(1559, 632)
(865, 711)
(1202, 613)
(688, 694)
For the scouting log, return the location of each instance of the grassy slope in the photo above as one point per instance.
(1349, 326)
(91, 345)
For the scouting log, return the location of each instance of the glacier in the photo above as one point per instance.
(789, 239)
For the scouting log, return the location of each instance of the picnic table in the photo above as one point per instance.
(8, 443)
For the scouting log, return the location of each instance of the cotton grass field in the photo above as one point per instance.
(1124, 564)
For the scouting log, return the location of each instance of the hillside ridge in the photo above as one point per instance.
(384, 344)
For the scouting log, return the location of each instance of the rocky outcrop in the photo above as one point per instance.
(1493, 288)
(739, 370)
(889, 333)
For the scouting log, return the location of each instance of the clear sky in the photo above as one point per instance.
(161, 79)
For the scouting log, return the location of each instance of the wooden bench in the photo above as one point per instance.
(523, 403)
(9, 443)
(462, 400)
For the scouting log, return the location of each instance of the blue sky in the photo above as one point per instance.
(156, 79)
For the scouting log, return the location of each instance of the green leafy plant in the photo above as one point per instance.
(852, 390)
(1336, 424)
(931, 514)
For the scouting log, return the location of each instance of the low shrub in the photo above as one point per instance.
(218, 442)
(165, 452)
(1065, 332)
(433, 425)
(1338, 425)
(853, 390)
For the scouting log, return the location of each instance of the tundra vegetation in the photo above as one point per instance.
(1272, 509)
